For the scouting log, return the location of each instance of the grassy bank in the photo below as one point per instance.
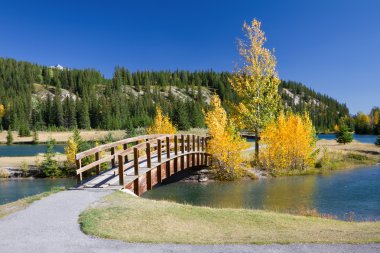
(123, 217)
(23, 203)
(62, 137)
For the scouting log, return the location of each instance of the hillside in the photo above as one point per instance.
(41, 97)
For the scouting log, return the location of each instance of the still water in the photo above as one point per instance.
(340, 193)
(14, 189)
(358, 137)
(27, 149)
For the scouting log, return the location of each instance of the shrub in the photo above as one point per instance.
(35, 137)
(24, 168)
(9, 137)
(288, 144)
(225, 144)
(24, 130)
(4, 173)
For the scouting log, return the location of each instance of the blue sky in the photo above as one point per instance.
(331, 46)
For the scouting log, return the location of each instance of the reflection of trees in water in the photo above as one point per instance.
(228, 195)
(290, 193)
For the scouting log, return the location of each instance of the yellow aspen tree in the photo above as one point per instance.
(161, 124)
(71, 150)
(288, 144)
(2, 111)
(225, 144)
(256, 82)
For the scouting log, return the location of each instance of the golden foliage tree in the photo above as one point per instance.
(225, 144)
(256, 82)
(289, 144)
(2, 111)
(71, 150)
(161, 124)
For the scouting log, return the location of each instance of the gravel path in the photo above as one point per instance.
(51, 225)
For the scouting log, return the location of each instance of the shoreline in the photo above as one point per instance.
(60, 137)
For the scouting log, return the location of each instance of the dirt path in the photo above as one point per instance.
(51, 225)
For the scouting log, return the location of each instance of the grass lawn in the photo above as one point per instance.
(23, 203)
(131, 219)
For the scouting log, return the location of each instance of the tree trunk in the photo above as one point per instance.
(257, 139)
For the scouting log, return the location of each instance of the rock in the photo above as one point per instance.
(202, 179)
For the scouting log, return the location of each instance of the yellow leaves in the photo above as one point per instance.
(256, 81)
(2, 111)
(336, 128)
(161, 124)
(70, 150)
(288, 144)
(225, 145)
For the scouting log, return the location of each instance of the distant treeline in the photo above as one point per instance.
(128, 100)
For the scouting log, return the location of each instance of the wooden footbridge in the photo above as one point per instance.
(141, 162)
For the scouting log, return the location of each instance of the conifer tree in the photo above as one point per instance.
(344, 136)
(377, 143)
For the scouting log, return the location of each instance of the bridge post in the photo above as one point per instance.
(203, 149)
(125, 146)
(193, 155)
(182, 151)
(159, 147)
(148, 156)
(175, 154)
(136, 168)
(97, 157)
(198, 149)
(167, 169)
(188, 150)
(79, 165)
(121, 170)
(206, 156)
(113, 159)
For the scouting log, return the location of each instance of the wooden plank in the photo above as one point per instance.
(92, 165)
(159, 145)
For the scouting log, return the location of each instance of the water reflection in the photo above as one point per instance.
(337, 194)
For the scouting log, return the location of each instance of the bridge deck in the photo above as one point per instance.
(110, 177)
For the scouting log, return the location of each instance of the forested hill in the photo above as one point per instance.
(41, 97)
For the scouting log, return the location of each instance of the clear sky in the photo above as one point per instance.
(331, 46)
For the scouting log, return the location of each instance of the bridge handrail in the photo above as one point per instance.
(105, 147)
(192, 141)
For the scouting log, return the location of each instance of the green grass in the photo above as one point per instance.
(123, 217)
(21, 204)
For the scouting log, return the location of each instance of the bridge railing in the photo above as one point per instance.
(110, 152)
(162, 148)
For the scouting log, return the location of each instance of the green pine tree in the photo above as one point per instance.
(49, 164)
(344, 135)
(377, 143)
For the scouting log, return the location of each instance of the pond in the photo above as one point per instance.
(14, 189)
(344, 194)
(27, 149)
(358, 137)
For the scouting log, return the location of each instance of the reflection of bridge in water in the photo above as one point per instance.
(141, 162)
